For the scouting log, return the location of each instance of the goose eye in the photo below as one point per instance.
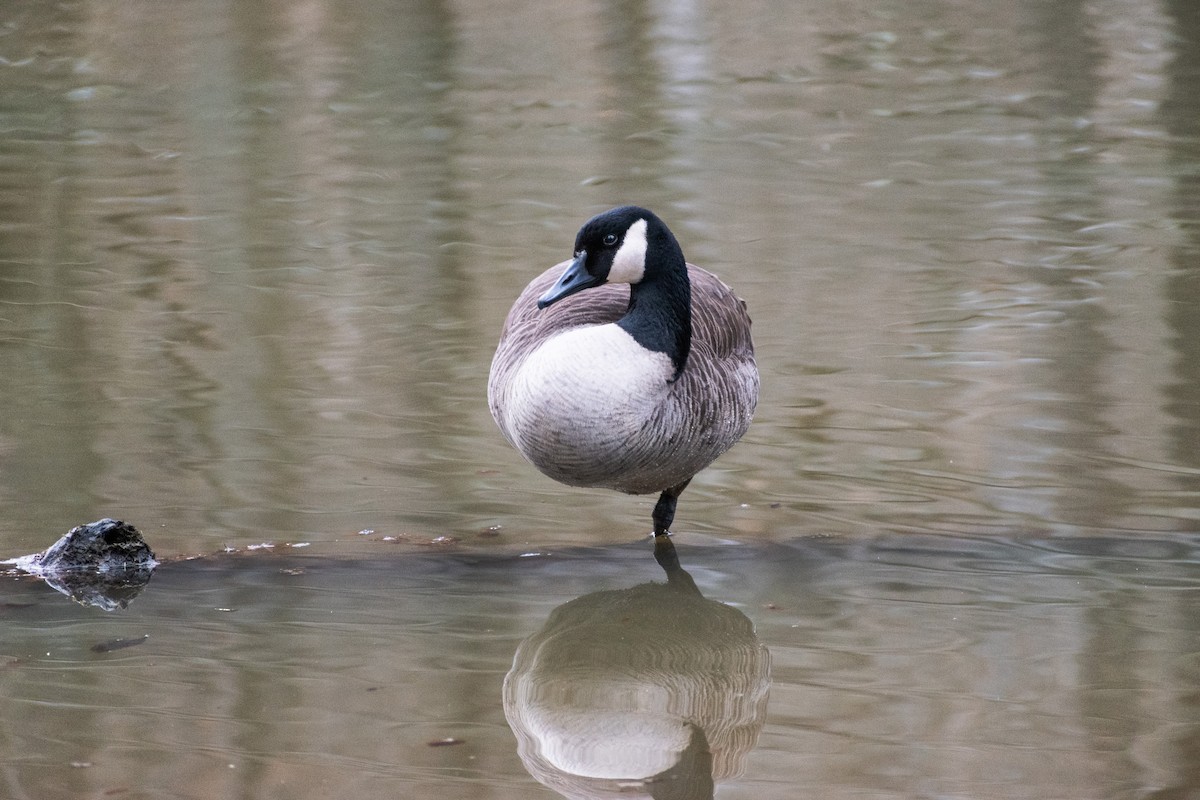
(610, 240)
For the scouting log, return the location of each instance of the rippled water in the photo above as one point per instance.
(904, 665)
(254, 258)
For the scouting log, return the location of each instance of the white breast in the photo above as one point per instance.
(581, 405)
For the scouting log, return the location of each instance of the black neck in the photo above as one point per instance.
(659, 317)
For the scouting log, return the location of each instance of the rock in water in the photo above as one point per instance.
(106, 545)
(105, 563)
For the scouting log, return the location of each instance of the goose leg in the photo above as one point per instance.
(664, 509)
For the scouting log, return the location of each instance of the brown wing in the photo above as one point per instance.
(719, 318)
(718, 388)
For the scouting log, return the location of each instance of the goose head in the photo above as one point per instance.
(623, 245)
(631, 245)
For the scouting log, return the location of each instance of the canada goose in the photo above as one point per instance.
(632, 389)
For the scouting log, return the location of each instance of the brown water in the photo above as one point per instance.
(254, 258)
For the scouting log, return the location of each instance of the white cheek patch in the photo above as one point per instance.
(629, 264)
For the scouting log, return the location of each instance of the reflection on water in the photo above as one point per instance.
(646, 692)
(901, 666)
(254, 258)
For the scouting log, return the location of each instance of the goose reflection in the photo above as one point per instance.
(651, 692)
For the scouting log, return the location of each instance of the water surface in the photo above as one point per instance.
(254, 258)
(901, 666)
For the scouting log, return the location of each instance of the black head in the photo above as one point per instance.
(612, 247)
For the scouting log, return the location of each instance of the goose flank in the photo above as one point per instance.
(625, 367)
